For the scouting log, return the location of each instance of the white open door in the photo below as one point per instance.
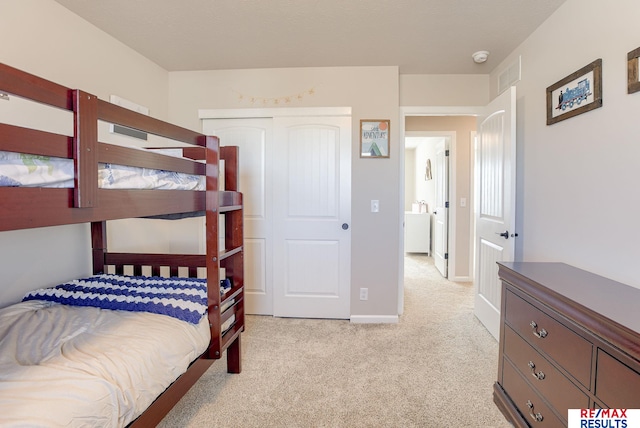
(495, 185)
(312, 217)
(441, 210)
(252, 137)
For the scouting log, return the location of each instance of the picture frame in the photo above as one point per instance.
(374, 138)
(633, 77)
(577, 93)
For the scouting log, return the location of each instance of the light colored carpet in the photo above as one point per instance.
(435, 368)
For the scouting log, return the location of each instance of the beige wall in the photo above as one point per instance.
(45, 39)
(460, 217)
(444, 90)
(578, 199)
(372, 93)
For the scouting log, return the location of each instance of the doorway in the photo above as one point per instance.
(462, 192)
(427, 195)
(461, 124)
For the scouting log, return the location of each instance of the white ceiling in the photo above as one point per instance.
(419, 36)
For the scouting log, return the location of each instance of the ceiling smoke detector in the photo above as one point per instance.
(480, 57)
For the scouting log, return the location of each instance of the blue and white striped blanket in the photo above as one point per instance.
(182, 298)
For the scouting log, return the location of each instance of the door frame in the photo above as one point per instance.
(431, 111)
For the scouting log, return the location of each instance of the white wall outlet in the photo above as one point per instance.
(364, 294)
(375, 205)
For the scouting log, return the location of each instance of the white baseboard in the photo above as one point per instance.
(374, 319)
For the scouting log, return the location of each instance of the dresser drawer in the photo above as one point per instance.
(549, 381)
(567, 348)
(528, 402)
(617, 385)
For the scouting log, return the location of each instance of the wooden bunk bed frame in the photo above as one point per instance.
(24, 208)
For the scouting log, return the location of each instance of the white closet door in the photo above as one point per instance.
(312, 217)
(252, 136)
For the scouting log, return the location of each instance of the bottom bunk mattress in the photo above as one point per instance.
(64, 365)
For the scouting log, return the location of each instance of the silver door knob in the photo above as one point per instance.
(345, 226)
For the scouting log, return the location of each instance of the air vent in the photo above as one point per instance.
(510, 76)
(129, 132)
(124, 130)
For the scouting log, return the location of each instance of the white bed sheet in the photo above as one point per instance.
(18, 169)
(88, 367)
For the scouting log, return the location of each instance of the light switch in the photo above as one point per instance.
(375, 205)
(463, 202)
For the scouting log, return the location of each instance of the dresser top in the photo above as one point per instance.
(595, 294)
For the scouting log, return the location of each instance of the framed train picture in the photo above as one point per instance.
(633, 80)
(577, 93)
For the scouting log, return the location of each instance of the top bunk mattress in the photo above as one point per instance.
(24, 170)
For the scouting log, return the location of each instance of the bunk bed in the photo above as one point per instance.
(83, 200)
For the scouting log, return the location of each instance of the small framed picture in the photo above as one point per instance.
(577, 93)
(633, 79)
(374, 138)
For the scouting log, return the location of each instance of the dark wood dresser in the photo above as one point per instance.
(569, 339)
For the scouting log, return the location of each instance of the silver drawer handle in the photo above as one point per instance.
(541, 334)
(537, 416)
(540, 375)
